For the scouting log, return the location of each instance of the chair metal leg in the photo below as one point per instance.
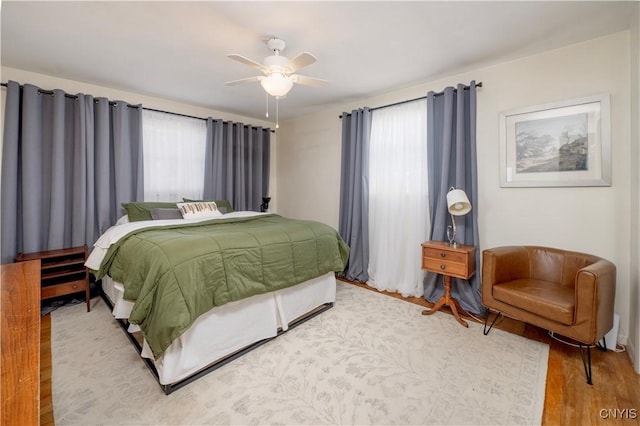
(486, 331)
(602, 346)
(587, 365)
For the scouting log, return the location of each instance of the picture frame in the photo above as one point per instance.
(557, 144)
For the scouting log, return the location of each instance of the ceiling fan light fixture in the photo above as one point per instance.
(276, 84)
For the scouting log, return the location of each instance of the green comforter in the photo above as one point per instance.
(176, 273)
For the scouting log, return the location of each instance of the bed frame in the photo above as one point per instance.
(169, 388)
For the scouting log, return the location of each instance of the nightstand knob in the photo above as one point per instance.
(442, 267)
(442, 254)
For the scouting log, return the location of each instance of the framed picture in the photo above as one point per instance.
(558, 144)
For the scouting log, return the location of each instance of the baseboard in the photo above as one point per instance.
(634, 354)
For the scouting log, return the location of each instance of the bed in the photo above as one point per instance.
(199, 307)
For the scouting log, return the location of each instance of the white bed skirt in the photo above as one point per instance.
(228, 328)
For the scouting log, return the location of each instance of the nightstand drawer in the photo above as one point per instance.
(441, 258)
(62, 289)
(442, 267)
(446, 255)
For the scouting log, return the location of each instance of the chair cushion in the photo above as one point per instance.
(546, 299)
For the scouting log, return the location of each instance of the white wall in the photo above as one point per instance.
(72, 87)
(634, 332)
(589, 219)
(308, 167)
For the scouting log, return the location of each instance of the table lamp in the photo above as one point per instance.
(458, 205)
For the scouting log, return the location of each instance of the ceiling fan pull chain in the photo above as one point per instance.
(267, 108)
(277, 112)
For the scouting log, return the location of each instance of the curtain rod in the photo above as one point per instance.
(192, 116)
(67, 95)
(479, 84)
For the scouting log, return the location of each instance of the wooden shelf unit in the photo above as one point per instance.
(62, 272)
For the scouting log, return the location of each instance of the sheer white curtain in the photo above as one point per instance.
(173, 153)
(398, 197)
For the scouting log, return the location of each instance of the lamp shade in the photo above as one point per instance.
(458, 202)
(276, 84)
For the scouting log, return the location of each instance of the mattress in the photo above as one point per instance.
(177, 270)
(229, 328)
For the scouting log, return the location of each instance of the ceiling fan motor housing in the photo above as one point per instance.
(276, 63)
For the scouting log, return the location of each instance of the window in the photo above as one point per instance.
(398, 197)
(173, 155)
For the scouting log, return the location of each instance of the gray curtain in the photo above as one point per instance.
(451, 150)
(237, 164)
(67, 164)
(354, 192)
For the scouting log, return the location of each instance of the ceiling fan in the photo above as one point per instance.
(279, 71)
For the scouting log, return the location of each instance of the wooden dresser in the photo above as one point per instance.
(20, 343)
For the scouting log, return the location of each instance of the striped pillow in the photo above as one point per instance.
(199, 210)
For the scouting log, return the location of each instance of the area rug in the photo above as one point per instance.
(370, 360)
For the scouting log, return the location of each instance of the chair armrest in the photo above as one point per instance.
(595, 293)
(503, 264)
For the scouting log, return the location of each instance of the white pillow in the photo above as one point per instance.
(199, 210)
(124, 219)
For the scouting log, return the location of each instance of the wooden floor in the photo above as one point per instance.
(614, 398)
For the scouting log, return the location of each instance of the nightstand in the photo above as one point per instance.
(61, 271)
(459, 262)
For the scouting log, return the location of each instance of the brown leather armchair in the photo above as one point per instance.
(568, 293)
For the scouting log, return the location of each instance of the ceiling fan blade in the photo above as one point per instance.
(308, 81)
(247, 61)
(244, 80)
(300, 61)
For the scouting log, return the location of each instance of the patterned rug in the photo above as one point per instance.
(370, 360)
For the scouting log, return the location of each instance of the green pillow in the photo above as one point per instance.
(222, 204)
(141, 210)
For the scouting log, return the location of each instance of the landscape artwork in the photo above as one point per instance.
(557, 144)
(563, 143)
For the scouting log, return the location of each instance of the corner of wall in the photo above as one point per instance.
(633, 343)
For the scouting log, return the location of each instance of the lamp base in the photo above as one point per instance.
(451, 234)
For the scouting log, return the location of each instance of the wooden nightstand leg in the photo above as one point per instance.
(439, 304)
(455, 306)
(452, 303)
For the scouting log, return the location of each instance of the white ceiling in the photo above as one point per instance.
(177, 50)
